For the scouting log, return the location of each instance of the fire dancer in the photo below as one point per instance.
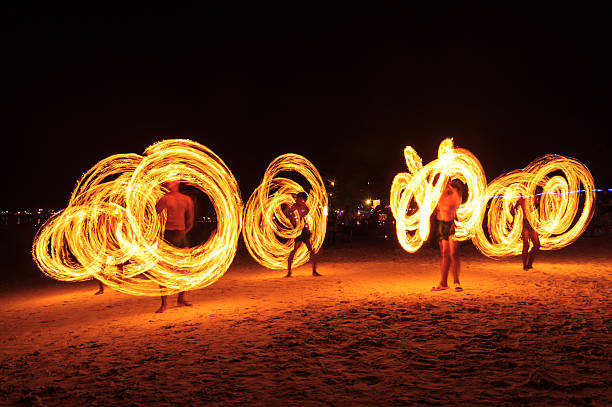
(445, 214)
(529, 235)
(295, 213)
(179, 210)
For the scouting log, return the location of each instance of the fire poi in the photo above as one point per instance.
(565, 208)
(111, 231)
(415, 194)
(267, 232)
(564, 211)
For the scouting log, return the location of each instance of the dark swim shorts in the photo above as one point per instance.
(177, 238)
(304, 236)
(526, 225)
(446, 229)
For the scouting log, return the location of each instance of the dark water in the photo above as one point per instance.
(17, 266)
(16, 263)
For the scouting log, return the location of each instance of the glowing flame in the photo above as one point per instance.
(415, 194)
(562, 216)
(111, 231)
(268, 233)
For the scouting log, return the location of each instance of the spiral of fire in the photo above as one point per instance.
(111, 231)
(268, 232)
(559, 199)
(415, 194)
(559, 213)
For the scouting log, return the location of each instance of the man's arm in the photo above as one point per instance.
(189, 215)
(160, 205)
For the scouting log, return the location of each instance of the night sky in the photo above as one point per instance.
(348, 88)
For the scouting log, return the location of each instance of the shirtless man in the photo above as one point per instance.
(528, 234)
(179, 210)
(445, 213)
(295, 213)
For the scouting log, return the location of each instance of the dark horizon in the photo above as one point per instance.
(346, 90)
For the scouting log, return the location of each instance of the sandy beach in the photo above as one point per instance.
(369, 332)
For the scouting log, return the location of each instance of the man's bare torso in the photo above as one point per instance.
(301, 210)
(448, 204)
(177, 206)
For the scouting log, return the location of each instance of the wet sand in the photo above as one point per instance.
(369, 332)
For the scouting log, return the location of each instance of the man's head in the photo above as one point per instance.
(301, 197)
(173, 186)
(457, 184)
(449, 186)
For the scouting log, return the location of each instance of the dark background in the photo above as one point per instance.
(348, 88)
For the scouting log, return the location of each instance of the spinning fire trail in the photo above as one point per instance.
(414, 195)
(559, 219)
(111, 231)
(265, 223)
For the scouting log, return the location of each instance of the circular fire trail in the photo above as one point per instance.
(558, 213)
(268, 233)
(415, 194)
(111, 231)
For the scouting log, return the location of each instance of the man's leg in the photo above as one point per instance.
(534, 250)
(453, 247)
(181, 300)
(313, 258)
(100, 285)
(444, 264)
(290, 259)
(162, 307)
(525, 254)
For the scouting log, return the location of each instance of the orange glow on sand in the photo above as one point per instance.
(265, 222)
(111, 231)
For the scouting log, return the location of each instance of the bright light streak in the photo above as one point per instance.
(111, 231)
(564, 212)
(268, 233)
(415, 194)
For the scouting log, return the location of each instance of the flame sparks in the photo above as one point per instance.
(559, 219)
(111, 231)
(268, 233)
(415, 194)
